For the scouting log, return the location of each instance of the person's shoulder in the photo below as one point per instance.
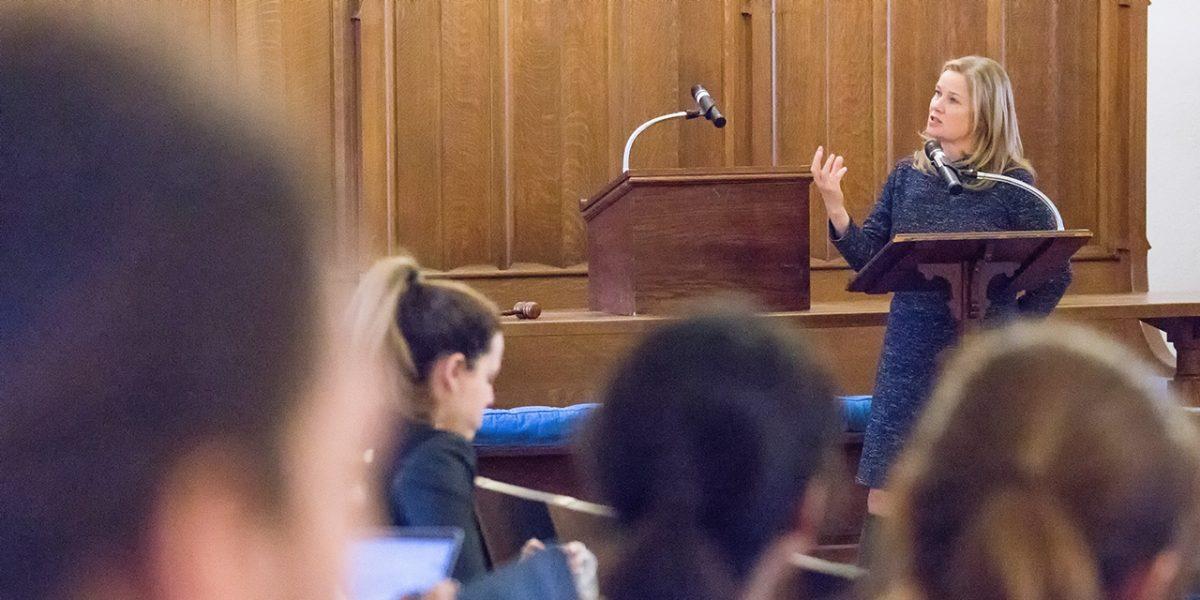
(446, 443)
(905, 164)
(1021, 173)
(439, 451)
(903, 169)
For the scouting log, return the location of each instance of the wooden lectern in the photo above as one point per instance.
(968, 263)
(658, 240)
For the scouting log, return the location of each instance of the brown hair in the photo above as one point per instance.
(997, 138)
(406, 322)
(709, 434)
(159, 293)
(1046, 466)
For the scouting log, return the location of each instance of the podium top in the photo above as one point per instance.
(621, 185)
(1034, 254)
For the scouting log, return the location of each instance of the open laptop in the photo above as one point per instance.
(387, 564)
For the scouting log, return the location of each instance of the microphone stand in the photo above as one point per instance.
(972, 174)
(686, 114)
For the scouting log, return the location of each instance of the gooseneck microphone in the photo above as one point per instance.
(933, 150)
(708, 106)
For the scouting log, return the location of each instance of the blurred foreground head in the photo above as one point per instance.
(1046, 466)
(168, 408)
(705, 445)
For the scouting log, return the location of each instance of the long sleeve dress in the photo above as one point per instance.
(919, 324)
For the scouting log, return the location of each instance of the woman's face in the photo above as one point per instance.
(471, 392)
(950, 116)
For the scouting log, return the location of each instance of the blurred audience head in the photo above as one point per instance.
(172, 421)
(438, 342)
(1046, 466)
(709, 436)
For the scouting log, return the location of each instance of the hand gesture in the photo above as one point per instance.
(827, 176)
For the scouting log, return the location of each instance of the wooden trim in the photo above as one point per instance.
(868, 312)
(517, 270)
(618, 187)
(525, 270)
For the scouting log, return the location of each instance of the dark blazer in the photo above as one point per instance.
(432, 483)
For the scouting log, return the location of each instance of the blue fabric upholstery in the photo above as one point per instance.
(531, 426)
(550, 427)
(855, 410)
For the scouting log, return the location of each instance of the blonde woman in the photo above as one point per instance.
(1046, 466)
(973, 116)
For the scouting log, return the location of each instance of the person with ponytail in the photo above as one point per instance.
(440, 347)
(1046, 466)
(710, 440)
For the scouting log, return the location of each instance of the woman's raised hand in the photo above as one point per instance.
(827, 173)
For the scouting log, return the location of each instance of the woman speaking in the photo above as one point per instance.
(973, 116)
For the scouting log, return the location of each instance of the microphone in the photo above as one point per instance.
(707, 105)
(933, 150)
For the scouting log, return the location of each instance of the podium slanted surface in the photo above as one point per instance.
(659, 240)
(967, 263)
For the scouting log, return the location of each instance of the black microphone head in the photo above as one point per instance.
(930, 147)
(719, 121)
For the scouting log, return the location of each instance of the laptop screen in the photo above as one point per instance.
(394, 562)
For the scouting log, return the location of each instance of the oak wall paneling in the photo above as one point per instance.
(467, 131)
(570, 80)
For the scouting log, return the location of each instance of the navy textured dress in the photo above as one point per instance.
(920, 325)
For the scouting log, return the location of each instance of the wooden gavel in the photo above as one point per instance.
(524, 310)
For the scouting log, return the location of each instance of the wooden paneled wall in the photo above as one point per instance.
(293, 56)
(466, 131)
(484, 122)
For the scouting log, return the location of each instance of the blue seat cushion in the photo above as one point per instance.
(531, 426)
(550, 427)
(855, 411)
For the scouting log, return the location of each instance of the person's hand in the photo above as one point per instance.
(827, 174)
(532, 546)
(583, 569)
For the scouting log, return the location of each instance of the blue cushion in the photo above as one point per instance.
(531, 426)
(855, 410)
(550, 427)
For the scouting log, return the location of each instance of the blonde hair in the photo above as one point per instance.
(996, 137)
(404, 323)
(1022, 480)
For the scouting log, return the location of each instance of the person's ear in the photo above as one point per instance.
(1156, 580)
(210, 536)
(446, 374)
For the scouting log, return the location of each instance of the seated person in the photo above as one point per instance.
(1047, 466)
(172, 421)
(441, 344)
(709, 443)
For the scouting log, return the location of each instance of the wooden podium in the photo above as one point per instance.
(658, 240)
(968, 263)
